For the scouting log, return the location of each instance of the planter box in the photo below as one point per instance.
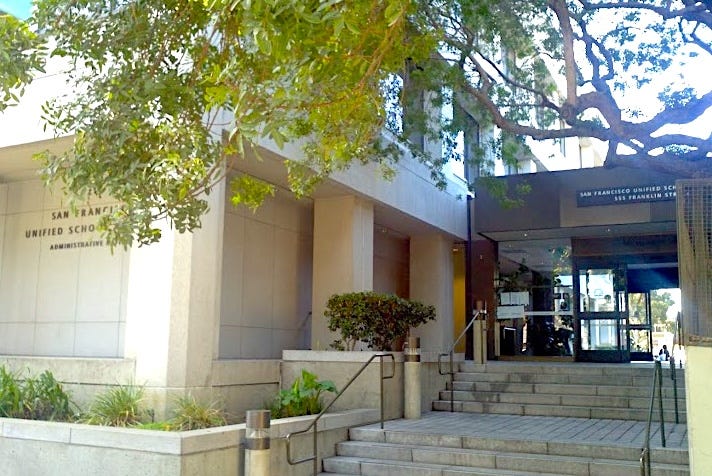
(340, 366)
(67, 449)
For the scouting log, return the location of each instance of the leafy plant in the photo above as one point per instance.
(118, 406)
(11, 395)
(34, 398)
(190, 414)
(379, 320)
(45, 399)
(303, 397)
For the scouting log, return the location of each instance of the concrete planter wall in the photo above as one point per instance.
(239, 384)
(340, 366)
(67, 449)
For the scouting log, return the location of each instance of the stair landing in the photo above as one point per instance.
(608, 432)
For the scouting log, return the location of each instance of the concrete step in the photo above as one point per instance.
(561, 389)
(635, 414)
(390, 459)
(344, 465)
(642, 380)
(375, 467)
(579, 368)
(528, 444)
(565, 400)
(567, 389)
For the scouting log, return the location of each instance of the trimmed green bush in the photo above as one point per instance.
(379, 320)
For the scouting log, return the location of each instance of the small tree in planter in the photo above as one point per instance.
(379, 320)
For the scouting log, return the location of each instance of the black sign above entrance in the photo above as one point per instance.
(624, 195)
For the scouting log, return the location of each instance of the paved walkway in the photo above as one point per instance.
(575, 430)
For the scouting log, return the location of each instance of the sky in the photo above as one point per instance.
(19, 8)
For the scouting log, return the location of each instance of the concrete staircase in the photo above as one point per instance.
(399, 450)
(526, 419)
(566, 390)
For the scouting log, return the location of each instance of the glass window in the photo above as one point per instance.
(640, 340)
(536, 274)
(599, 334)
(596, 291)
(638, 308)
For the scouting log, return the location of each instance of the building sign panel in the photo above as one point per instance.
(625, 195)
(66, 230)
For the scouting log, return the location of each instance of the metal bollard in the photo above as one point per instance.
(257, 443)
(411, 377)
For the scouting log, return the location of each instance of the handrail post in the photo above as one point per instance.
(673, 376)
(380, 366)
(412, 394)
(659, 369)
(645, 452)
(452, 383)
(315, 445)
(257, 443)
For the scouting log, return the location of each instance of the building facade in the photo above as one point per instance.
(210, 312)
(577, 264)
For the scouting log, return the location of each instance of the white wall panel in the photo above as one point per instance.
(62, 291)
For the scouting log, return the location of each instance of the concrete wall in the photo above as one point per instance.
(391, 269)
(66, 449)
(81, 377)
(267, 278)
(62, 291)
(238, 385)
(698, 388)
(243, 384)
(340, 367)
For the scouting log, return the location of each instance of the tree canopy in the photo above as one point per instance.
(165, 94)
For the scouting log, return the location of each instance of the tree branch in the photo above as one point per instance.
(693, 11)
(562, 14)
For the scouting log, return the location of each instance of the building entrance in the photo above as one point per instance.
(618, 305)
(640, 327)
(556, 301)
(602, 324)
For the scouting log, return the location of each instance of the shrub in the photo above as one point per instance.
(45, 399)
(118, 406)
(190, 414)
(302, 398)
(11, 395)
(34, 398)
(379, 320)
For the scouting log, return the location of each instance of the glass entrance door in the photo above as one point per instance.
(640, 329)
(602, 322)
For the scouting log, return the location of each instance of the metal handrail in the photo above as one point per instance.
(645, 464)
(451, 352)
(673, 375)
(314, 456)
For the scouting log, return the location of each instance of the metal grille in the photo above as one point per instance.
(694, 238)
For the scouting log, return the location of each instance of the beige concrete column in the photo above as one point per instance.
(431, 282)
(343, 256)
(173, 308)
(698, 387)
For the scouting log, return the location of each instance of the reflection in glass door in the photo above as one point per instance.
(603, 315)
(640, 326)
